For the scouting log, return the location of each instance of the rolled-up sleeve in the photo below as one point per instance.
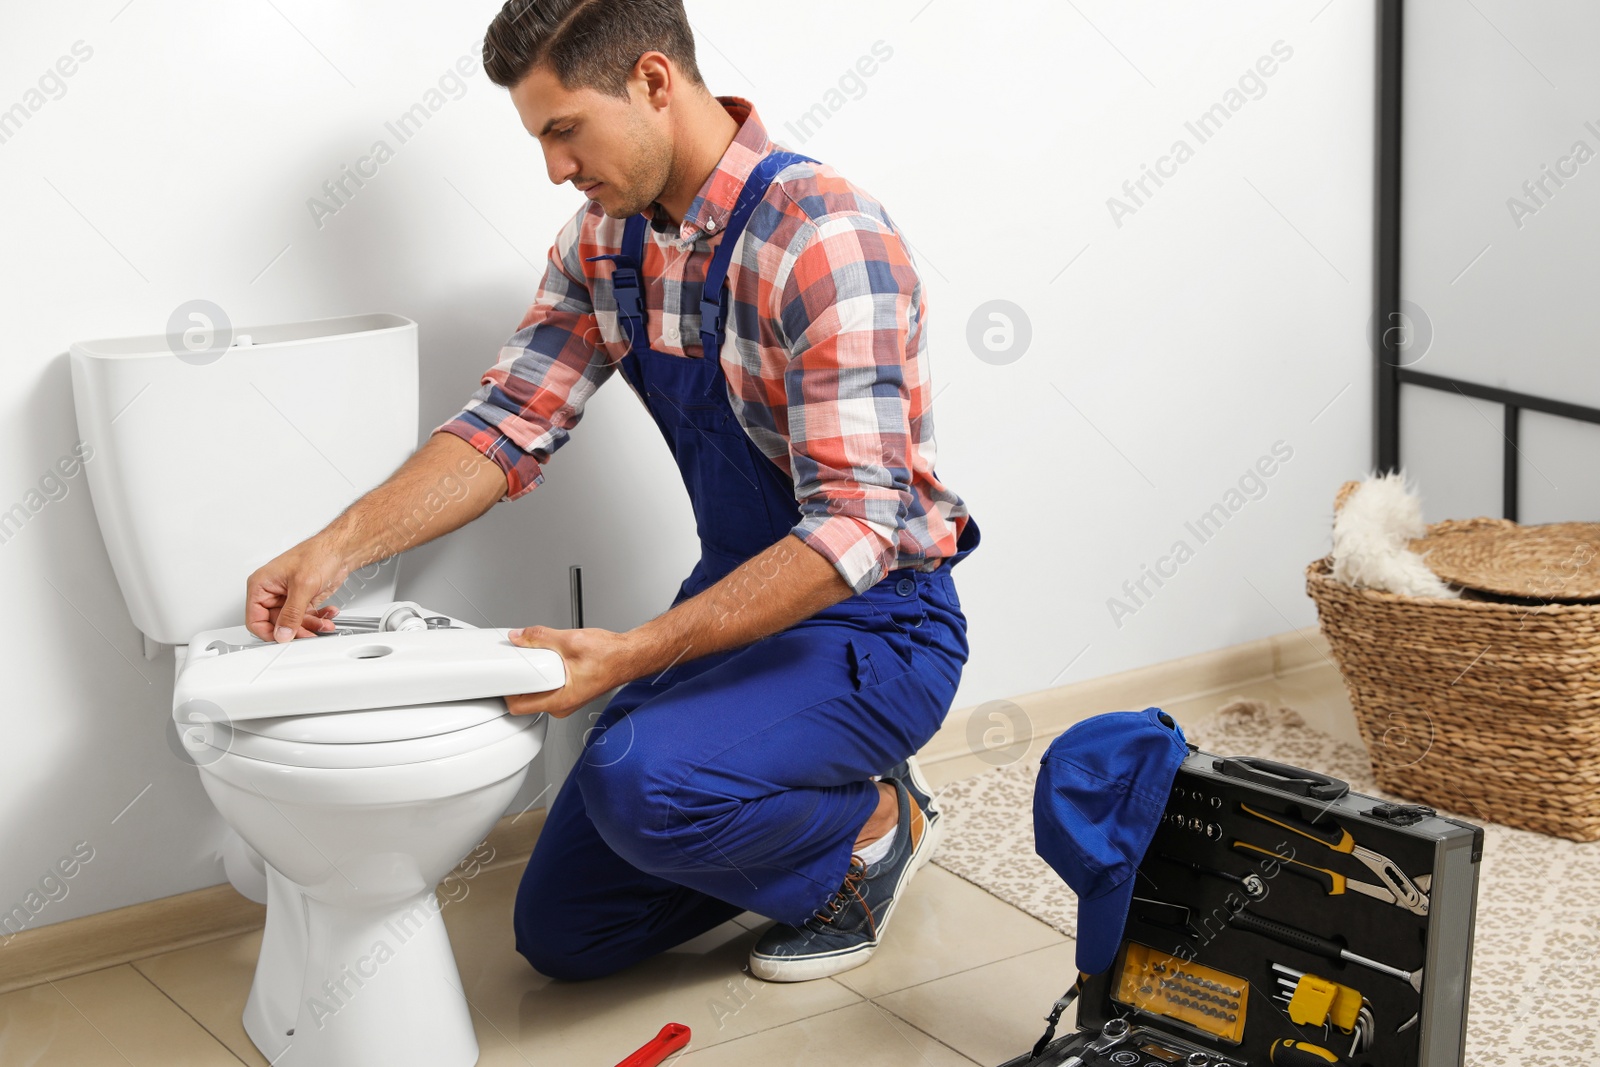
(848, 314)
(528, 402)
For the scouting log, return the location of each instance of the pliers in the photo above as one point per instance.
(1397, 888)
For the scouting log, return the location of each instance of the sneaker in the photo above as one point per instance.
(909, 771)
(847, 930)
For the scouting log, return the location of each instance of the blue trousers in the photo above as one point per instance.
(738, 781)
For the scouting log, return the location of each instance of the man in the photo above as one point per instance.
(817, 643)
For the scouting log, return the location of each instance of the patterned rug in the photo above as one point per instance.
(1538, 923)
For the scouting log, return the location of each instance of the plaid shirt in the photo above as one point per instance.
(832, 383)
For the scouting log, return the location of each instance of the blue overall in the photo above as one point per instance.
(738, 780)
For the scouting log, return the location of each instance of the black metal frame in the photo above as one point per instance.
(1390, 373)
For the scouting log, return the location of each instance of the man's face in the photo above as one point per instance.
(588, 137)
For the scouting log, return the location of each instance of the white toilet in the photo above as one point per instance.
(358, 767)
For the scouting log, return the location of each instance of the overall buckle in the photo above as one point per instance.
(713, 318)
(629, 295)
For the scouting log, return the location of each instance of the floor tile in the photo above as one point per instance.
(523, 1016)
(992, 1013)
(943, 925)
(750, 920)
(211, 982)
(518, 1014)
(109, 1017)
(859, 1034)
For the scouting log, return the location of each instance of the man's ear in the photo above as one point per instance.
(657, 78)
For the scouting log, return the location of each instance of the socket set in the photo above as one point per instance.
(1121, 1044)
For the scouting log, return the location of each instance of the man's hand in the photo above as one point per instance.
(769, 592)
(596, 661)
(281, 598)
(443, 486)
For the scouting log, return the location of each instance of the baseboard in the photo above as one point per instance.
(1047, 712)
(93, 942)
(109, 938)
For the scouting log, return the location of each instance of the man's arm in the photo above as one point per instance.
(494, 449)
(528, 403)
(769, 592)
(443, 486)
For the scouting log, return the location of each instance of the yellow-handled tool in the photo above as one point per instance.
(1333, 882)
(1312, 1000)
(1287, 1052)
(1398, 889)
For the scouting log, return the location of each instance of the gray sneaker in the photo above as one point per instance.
(847, 930)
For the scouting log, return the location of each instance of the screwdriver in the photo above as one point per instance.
(1303, 939)
(1287, 1052)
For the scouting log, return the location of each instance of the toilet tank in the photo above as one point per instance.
(207, 464)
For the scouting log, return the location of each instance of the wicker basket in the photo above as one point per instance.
(1489, 710)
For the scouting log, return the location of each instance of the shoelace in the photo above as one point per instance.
(850, 889)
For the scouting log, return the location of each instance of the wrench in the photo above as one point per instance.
(1113, 1033)
(672, 1037)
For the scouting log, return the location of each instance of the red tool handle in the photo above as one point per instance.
(672, 1037)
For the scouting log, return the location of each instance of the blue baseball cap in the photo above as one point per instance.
(1102, 788)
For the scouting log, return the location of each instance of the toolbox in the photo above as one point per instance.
(1279, 918)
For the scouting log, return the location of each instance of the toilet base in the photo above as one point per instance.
(369, 977)
(270, 1011)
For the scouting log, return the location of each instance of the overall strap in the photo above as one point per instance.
(627, 275)
(627, 282)
(714, 295)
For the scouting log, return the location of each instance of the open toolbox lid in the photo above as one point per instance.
(248, 678)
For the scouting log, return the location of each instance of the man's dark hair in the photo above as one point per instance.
(587, 44)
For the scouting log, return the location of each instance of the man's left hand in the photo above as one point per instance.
(596, 661)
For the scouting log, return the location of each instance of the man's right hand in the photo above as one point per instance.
(443, 486)
(282, 597)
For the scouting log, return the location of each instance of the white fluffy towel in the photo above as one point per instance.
(1370, 532)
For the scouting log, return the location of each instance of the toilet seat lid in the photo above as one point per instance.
(232, 676)
(375, 725)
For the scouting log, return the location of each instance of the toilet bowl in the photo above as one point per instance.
(359, 767)
(360, 800)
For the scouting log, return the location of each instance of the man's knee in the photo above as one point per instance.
(547, 935)
(554, 954)
(625, 804)
(648, 818)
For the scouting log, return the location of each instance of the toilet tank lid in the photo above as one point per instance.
(271, 335)
(352, 672)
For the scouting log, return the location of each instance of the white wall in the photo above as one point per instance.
(1502, 98)
(1170, 348)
